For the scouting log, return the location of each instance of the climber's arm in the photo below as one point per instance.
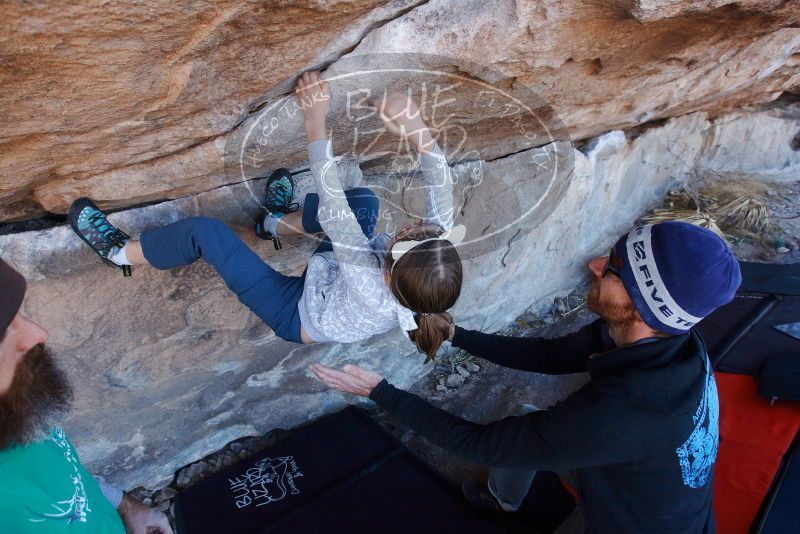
(314, 96)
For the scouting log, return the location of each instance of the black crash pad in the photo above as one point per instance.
(741, 335)
(341, 473)
(780, 516)
(772, 278)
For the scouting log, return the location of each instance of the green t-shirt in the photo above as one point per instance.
(44, 488)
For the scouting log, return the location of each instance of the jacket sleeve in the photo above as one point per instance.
(350, 245)
(438, 184)
(568, 354)
(571, 435)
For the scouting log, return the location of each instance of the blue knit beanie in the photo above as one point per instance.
(676, 273)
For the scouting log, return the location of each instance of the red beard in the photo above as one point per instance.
(616, 315)
(38, 397)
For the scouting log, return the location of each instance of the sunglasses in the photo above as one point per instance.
(609, 266)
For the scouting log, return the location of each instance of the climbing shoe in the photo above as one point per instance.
(277, 202)
(93, 227)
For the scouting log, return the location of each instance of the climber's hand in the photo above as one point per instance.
(401, 116)
(314, 97)
(351, 379)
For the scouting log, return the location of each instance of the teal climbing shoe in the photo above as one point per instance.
(277, 202)
(93, 228)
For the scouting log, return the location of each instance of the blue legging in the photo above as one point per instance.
(363, 203)
(272, 296)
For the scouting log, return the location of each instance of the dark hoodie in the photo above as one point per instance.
(642, 436)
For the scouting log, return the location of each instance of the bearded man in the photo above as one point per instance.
(639, 441)
(43, 486)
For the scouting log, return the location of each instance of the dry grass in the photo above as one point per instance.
(731, 208)
(745, 213)
(740, 208)
(696, 217)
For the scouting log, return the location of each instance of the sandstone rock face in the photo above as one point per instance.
(771, 158)
(168, 366)
(136, 102)
(99, 86)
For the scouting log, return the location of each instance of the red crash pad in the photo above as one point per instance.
(754, 436)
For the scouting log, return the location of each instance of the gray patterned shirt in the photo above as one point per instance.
(345, 298)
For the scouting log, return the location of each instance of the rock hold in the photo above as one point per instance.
(190, 474)
(166, 494)
(455, 380)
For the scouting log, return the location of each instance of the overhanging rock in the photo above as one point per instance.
(133, 102)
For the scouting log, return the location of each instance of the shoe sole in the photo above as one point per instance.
(279, 173)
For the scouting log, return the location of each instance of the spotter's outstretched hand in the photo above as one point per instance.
(351, 379)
